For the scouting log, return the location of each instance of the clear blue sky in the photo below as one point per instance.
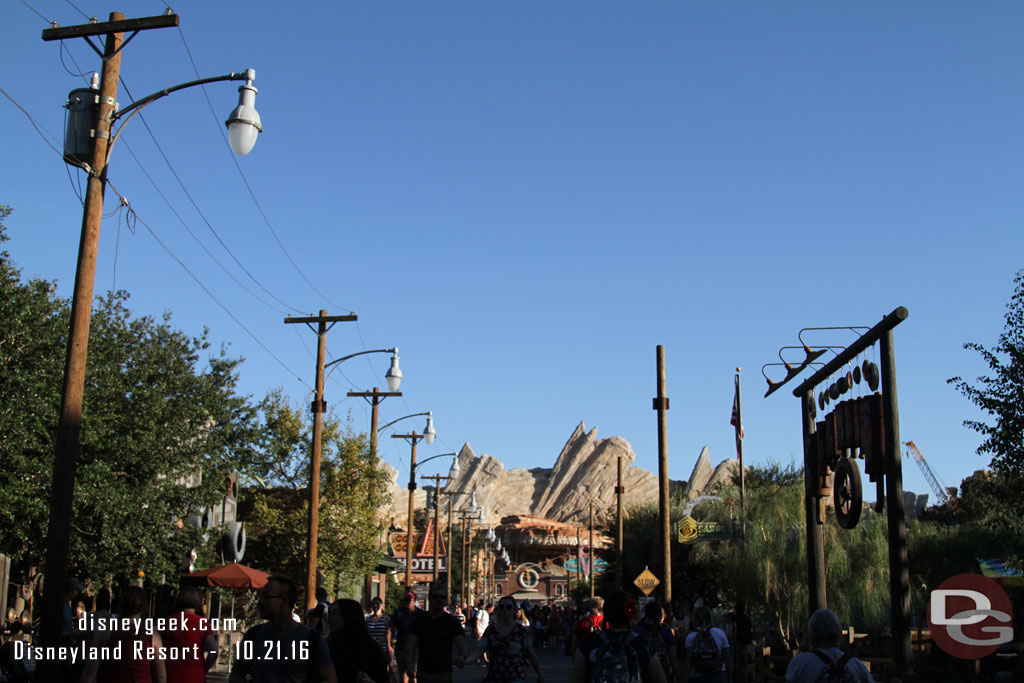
(528, 197)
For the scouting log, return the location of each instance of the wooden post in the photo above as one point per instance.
(661, 405)
(899, 569)
(816, 598)
(618, 525)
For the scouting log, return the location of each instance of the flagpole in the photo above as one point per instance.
(739, 442)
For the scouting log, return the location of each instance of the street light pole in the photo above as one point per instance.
(413, 438)
(618, 526)
(661, 405)
(68, 428)
(318, 407)
(58, 539)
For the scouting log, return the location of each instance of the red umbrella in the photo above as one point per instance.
(232, 575)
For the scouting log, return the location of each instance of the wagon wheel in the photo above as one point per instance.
(848, 495)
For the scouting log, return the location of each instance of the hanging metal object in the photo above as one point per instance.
(848, 496)
(872, 375)
(833, 391)
(843, 385)
(856, 374)
(821, 400)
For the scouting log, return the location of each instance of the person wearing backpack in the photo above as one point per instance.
(826, 662)
(660, 640)
(708, 658)
(615, 654)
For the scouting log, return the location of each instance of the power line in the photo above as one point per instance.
(205, 288)
(248, 187)
(184, 189)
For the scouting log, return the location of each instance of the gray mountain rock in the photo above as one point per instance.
(585, 469)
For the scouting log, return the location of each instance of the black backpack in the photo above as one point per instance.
(834, 672)
(707, 656)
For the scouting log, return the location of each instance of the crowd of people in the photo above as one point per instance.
(611, 640)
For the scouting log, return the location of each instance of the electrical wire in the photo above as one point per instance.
(248, 187)
(195, 237)
(43, 133)
(181, 184)
(204, 287)
(36, 11)
(87, 17)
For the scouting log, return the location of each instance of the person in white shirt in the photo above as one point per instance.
(823, 630)
(483, 618)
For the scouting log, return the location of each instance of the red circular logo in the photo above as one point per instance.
(970, 616)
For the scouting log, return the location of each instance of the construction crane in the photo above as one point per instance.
(933, 481)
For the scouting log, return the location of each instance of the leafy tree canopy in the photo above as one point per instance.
(1001, 394)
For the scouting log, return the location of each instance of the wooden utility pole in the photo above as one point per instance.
(618, 525)
(375, 397)
(661, 405)
(591, 550)
(324, 323)
(58, 536)
(438, 478)
(448, 568)
(739, 445)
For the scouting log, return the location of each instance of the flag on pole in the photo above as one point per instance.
(737, 421)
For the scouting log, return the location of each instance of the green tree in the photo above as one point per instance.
(1001, 394)
(353, 488)
(154, 415)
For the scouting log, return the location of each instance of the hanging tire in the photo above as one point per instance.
(848, 494)
(233, 542)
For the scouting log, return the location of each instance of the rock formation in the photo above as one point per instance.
(586, 468)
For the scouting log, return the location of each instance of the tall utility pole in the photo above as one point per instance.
(437, 519)
(739, 445)
(661, 405)
(591, 552)
(375, 397)
(448, 569)
(324, 323)
(619, 490)
(58, 537)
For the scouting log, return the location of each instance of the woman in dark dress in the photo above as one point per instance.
(355, 653)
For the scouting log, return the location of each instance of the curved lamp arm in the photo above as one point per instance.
(252, 119)
(381, 429)
(455, 465)
(393, 376)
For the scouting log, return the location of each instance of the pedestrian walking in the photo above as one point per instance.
(708, 658)
(398, 635)
(660, 640)
(128, 668)
(508, 645)
(825, 657)
(615, 654)
(357, 657)
(191, 634)
(281, 650)
(433, 635)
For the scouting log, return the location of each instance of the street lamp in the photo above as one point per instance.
(464, 516)
(92, 154)
(428, 435)
(454, 472)
(451, 540)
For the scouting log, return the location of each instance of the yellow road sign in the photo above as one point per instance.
(687, 529)
(647, 581)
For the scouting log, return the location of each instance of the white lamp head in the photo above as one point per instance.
(480, 517)
(455, 469)
(429, 433)
(472, 502)
(244, 122)
(393, 377)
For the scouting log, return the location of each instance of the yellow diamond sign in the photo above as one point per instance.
(646, 582)
(687, 529)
